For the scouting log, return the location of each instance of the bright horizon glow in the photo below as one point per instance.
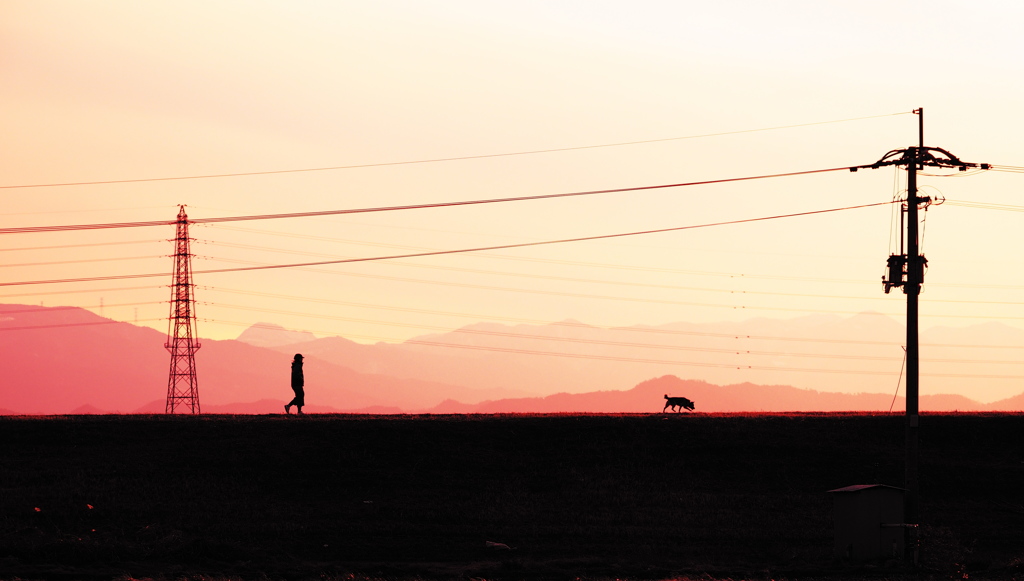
(112, 90)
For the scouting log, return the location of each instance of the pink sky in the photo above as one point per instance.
(120, 90)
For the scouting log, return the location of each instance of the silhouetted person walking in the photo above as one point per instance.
(297, 384)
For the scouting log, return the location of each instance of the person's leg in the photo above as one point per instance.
(296, 401)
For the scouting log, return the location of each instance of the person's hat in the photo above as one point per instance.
(298, 355)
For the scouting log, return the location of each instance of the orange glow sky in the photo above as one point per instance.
(111, 90)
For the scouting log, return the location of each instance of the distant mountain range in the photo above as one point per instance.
(67, 360)
(271, 335)
(826, 353)
(648, 397)
(56, 360)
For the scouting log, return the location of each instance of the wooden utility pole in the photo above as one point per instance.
(912, 287)
(907, 271)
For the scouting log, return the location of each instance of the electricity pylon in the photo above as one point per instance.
(907, 271)
(182, 387)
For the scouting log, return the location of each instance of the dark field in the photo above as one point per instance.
(597, 496)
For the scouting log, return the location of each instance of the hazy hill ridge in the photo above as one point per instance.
(272, 335)
(855, 354)
(648, 397)
(73, 361)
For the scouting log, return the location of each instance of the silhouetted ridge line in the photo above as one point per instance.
(446, 159)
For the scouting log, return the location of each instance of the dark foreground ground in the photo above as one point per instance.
(396, 497)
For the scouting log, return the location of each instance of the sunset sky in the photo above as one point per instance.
(105, 91)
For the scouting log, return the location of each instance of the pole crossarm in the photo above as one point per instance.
(923, 156)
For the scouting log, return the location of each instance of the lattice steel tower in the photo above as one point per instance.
(182, 387)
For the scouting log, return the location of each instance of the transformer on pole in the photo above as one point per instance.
(182, 387)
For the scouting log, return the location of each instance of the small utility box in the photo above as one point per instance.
(869, 522)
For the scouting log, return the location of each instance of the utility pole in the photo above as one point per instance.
(182, 387)
(907, 271)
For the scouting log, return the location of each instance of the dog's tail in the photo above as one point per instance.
(666, 396)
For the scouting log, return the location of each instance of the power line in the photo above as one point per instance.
(86, 308)
(29, 229)
(88, 279)
(536, 291)
(692, 364)
(985, 205)
(570, 324)
(508, 334)
(457, 251)
(77, 291)
(1007, 168)
(534, 259)
(640, 360)
(592, 280)
(538, 276)
(64, 325)
(898, 380)
(556, 339)
(443, 159)
(62, 246)
(81, 261)
(599, 357)
(550, 338)
(547, 242)
(629, 299)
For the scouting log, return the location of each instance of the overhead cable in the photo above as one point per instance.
(441, 159)
(28, 229)
(1008, 168)
(541, 243)
(81, 245)
(79, 261)
(688, 363)
(563, 339)
(458, 251)
(77, 291)
(65, 325)
(985, 205)
(575, 324)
